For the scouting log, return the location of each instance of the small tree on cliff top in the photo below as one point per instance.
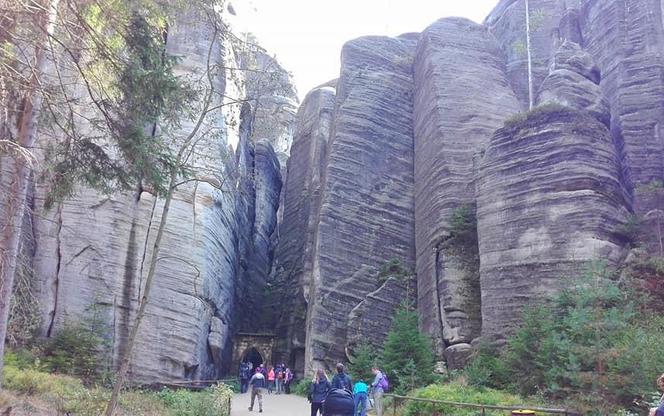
(407, 357)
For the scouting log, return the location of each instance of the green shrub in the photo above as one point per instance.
(487, 369)
(66, 394)
(302, 388)
(80, 348)
(364, 359)
(456, 392)
(590, 347)
(407, 353)
(75, 350)
(22, 359)
(212, 401)
(392, 268)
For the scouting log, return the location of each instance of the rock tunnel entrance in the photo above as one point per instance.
(254, 357)
(254, 347)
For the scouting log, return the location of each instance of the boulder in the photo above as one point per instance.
(458, 355)
(574, 82)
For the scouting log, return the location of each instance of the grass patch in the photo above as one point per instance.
(33, 390)
(459, 392)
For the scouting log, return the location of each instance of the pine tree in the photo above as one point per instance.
(407, 353)
(364, 359)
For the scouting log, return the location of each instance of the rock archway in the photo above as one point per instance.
(257, 348)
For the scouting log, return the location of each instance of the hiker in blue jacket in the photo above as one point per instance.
(258, 385)
(320, 386)
(360, 396)
(342, 380)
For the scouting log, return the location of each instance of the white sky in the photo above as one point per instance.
(307, 35)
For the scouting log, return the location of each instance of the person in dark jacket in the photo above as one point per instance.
(339, 402)
(245, 374)
(320, 386)
(258, 384)
(342, 380)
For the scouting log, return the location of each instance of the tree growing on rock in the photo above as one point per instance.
(407, 357)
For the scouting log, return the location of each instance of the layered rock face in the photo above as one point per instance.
(91, 253)
(503, 213)
(302, 195)
(627, 41)
(550, 20)
(366, 214)
(538, 179)
(461, 97)
(363, 217)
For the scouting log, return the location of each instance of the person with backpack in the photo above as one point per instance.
(245, 373)
(360, 397)
(288, 377)
(342, 380)
(257, 383)
(339, 402)
(378, 388)
(318, 390)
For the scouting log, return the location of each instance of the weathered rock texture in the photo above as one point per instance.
(627, 41)
(550, 194)
(92, 252)
(272, 95)
(461, 97)
(539, 178)
(386, 163)
(361, 215)
(302, 195)
(574, 82)
(508, 23)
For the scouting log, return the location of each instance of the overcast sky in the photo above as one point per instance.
(307, 35)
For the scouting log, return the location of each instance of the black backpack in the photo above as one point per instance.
(345, 383)
(339, 402)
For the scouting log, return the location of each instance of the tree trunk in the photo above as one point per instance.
(529, 57)
(16, 169)
(126, 358)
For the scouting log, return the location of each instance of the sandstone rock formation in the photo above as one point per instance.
(90, 253)
(404, 179)
(366, 213)
(574, 82)
(627, 42)
(302, 195)
(538, 178)
(461, 97)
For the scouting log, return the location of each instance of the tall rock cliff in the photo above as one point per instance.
(506, 204)
(366, 213)
(302, 197)
(90, 254)
(461, 97)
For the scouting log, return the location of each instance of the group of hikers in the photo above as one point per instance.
(342, 397)
(339, 397)
(277, 379)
